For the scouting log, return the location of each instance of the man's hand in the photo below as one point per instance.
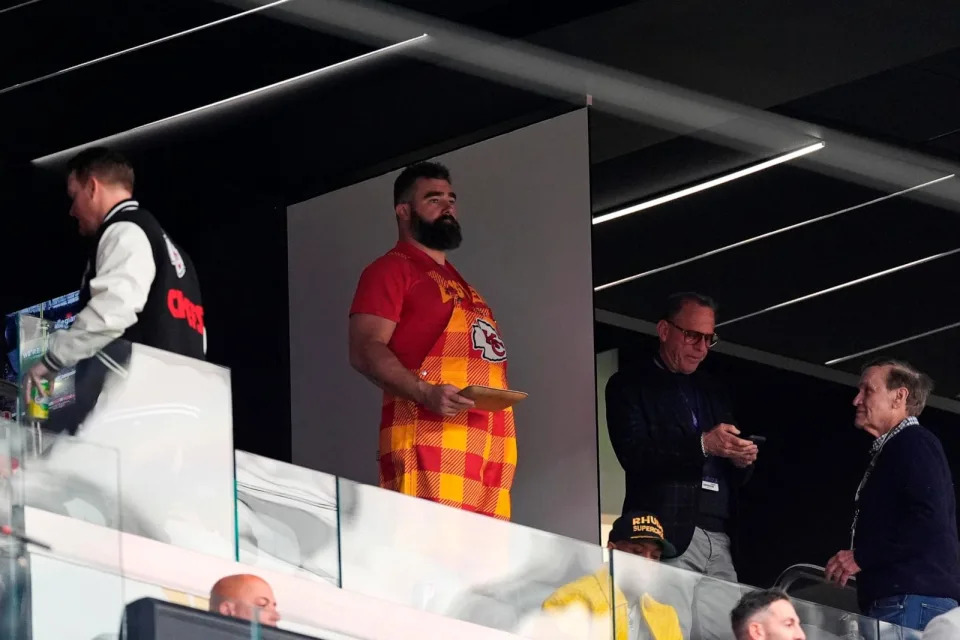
(841, 567)
(35, 375)
(444, 399)
(722, 441)
(747, 458)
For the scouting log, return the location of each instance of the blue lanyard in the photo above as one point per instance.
(694, 408)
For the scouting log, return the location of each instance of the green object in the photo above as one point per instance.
(38, 408)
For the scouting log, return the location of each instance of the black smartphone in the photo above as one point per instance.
(757, 439)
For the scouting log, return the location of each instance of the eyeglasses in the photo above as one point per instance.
(694, 337)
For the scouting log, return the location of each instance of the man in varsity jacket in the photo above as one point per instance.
(138, 286)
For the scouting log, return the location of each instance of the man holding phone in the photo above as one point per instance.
(422, 334)
(674, 434)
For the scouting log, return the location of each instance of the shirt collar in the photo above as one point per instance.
(909, 421)
(123, 205)
(415, 252)
(419, 255)
(660, 364)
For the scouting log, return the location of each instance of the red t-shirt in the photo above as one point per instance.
(398, 288)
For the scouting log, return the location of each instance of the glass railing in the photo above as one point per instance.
(13, 570)
(62, 523)
(162, 591)
(128, 482)
(307, 533)
(534, 584)
(656, 598)
(287, 518)
(70, 598)
(477, 569)
(166, 418)
(334, 552)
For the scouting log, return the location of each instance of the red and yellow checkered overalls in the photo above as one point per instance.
(467, 460)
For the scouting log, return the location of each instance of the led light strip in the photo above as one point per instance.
(892, 344)
(636, 98)
(766, 164)
(19, 6)
(66, 153)
(741, 243)
(851, 283)
(144, 45)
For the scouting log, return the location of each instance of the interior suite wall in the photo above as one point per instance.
(524, 200)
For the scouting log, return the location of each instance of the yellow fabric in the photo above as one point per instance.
(468, 460)
(592, 593)
(662, 619)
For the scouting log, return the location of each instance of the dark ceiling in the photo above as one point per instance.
(895, 79)
(911, 107)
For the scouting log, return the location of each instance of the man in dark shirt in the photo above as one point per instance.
(904, 548)
(672, 430)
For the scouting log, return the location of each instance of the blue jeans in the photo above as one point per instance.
(912, 612)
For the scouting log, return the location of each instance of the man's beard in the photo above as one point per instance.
(443, 234)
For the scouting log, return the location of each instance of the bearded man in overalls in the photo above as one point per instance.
(421, 333)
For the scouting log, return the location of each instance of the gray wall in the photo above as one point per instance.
(524, 200)
(612, 478)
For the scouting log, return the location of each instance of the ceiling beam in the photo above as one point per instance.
(641, 99)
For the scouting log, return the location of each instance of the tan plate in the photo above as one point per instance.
(490, 399)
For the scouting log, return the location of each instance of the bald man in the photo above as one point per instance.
(246, 597)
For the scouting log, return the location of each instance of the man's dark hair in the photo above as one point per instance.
(903, 374)
(676, 301)
(404, 184)
(751, 604)
(105, 164)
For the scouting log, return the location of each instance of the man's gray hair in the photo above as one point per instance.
(919, 385)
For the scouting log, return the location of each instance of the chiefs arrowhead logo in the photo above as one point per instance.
(487, 341)
(175, 258)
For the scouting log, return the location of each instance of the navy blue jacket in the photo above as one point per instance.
(657, 444)
(906, 537)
